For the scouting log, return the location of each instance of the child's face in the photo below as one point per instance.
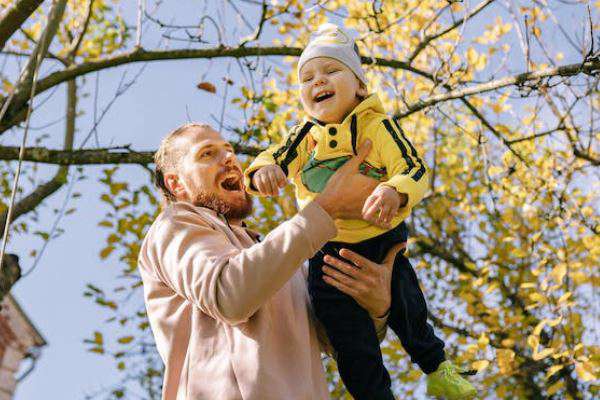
(329, 89)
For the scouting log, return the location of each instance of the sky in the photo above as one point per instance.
(52, 295)
(164, 96)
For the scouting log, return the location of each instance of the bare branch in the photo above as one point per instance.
(112, 155)
(26, 87)
(14, 17)
(588, 67)
(429, 38)
(31, 201)
(25, 82)
(14, 116)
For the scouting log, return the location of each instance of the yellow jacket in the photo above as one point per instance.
(311, 152)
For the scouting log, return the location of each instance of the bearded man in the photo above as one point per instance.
(229, 312)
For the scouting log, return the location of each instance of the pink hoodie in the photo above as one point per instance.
(231, 316)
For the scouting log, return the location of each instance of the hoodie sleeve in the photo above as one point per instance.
(200, 264)
(406, 169)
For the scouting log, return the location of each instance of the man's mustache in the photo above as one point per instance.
(227, 170)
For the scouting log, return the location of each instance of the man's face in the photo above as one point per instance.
(329, 89)
(209, 174)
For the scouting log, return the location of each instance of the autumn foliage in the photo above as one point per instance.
(507, 243)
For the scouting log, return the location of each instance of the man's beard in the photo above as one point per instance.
(220, 206)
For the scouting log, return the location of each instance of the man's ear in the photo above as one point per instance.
(173, 184)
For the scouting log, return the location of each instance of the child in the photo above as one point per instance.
(342, 116)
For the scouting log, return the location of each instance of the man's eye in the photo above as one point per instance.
(207, 153)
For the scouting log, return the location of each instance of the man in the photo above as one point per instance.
(230, 314)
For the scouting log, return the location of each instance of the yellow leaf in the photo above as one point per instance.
(564, 297)
(537, 297)
(538, 328)
(528, 285)
(542, 354)
(533, 342)
(553, 369)
(126, 339)
(553, 322)
(584, 371)
(495, 170)
(555, 388)
(578, 277)
(480, 365)
(559, 272)
(505, 359)
(483, 341)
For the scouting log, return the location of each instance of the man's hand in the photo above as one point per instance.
(381, 206)
(369, 283)
(347, 190)
(269, 179)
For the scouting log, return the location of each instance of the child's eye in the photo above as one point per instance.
(207, 153)
(307, 79)
(331, 71)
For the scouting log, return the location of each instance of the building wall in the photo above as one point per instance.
(17, 337)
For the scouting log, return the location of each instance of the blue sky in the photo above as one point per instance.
(163, 97)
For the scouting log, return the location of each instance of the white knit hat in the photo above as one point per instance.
(334, 42)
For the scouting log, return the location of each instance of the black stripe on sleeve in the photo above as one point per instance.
(409, 162)
(353, 133)
(292, 153)
(414, 153)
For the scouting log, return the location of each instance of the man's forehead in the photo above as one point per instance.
(200, 136)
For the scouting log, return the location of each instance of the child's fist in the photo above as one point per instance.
(269, 179)
(381, 206)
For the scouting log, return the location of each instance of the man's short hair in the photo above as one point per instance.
(166, 158)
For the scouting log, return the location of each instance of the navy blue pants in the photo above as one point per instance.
(350, 328)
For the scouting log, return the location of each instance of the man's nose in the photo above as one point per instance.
(229, 157)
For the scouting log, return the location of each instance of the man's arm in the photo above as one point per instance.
(200, 264)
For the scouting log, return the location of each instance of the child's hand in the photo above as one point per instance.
(381, 206)
(269, 179)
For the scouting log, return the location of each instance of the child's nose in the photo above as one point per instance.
(320, 80)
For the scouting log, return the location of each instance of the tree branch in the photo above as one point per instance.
(429, 38)
(23, 88)
(14, 17)
(113, 155)
(31, 201)
(588, 67)
(140, 55)
(22, 92)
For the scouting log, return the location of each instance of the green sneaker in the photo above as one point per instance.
(446, 383)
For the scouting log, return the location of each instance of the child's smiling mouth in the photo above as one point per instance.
(324, 95)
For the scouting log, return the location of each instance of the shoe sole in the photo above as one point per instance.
(467, 397)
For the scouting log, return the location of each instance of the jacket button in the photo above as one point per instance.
(332, 131)
(333, 144)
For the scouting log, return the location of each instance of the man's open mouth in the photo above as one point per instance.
(232, 183)
(323, 96)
